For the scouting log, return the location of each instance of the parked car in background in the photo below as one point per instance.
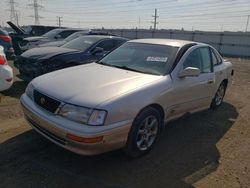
(82, 50)
(123, 100)
(74, 36)
(20, 33)
(6, 43)
(53, 35)
(6, 73)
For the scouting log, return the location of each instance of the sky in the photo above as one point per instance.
(205, 15)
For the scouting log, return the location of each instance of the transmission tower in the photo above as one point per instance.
(36, 6)
(13, 14)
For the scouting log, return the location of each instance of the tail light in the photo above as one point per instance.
(5, 38)
(3, 60)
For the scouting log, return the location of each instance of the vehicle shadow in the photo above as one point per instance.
(186, 152)
(16, 90)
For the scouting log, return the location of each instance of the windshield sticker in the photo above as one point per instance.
(157, 59)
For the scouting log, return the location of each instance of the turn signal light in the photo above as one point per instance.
(85, 140)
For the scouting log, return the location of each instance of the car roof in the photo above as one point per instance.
(103, 37)
(167, 42)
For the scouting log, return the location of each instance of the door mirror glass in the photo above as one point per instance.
(97, 50)
(189, 71)
(58, 36)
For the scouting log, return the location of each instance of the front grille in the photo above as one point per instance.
(46, 102)
(54, 137)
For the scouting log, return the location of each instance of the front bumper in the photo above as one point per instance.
(55, 128)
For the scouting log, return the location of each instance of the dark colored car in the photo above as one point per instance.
(82, 50)
(20, 33)
(53, 35)
(6, 43)
(74, 36)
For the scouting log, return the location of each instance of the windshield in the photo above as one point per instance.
(81, 43)
(52, 33)
(147, 58)
(75, 35)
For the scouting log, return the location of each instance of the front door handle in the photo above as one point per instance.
(210, 81)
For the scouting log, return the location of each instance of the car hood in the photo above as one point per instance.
(46, 52)
(92, 84)
(56, 43)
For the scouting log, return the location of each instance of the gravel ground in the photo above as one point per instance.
(207, 149)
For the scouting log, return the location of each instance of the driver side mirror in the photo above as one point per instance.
(58, 36)
(189, 71)
(97, 50)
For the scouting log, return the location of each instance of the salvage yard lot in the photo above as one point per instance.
(207, 149)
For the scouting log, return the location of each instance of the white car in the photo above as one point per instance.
(6, 72)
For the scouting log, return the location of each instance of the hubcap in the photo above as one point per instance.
(219, 95)
(147, 133)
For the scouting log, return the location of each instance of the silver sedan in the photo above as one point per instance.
(125, 99)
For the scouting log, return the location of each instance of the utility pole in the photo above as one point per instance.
(59, 21)
(36, 6)
(247, 22)
(17, 19)
(155, 19)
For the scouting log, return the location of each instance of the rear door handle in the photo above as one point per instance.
(210, 81)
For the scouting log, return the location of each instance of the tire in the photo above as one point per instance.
(144, 132)
(219, 96)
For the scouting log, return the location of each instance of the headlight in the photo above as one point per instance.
(83, 115)
(30, 91)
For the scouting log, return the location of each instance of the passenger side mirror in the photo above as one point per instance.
(189, 71)
(58, 36)
(97, 50)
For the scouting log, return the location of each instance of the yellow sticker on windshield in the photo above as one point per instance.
(157, 59)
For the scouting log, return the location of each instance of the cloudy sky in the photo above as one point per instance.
(212, 15)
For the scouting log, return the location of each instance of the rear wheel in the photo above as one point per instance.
(143, 133)
(219, 96)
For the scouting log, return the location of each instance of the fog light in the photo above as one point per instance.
(84, 140)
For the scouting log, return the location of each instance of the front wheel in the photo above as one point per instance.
(219, 96)
(143, 133)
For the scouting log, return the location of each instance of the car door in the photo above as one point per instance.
(218, 68)
(192, 93)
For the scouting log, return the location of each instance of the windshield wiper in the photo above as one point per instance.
(122, 67)
(128, 68)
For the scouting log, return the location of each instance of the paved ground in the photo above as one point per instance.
(208, 149)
